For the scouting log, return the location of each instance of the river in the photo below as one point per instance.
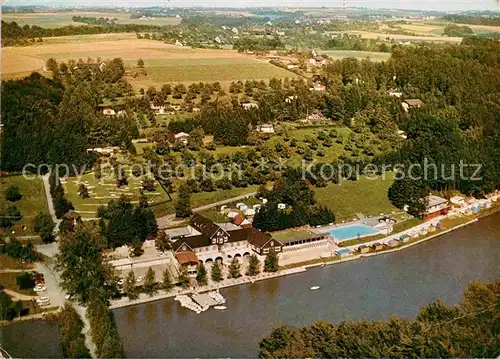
(374, 288)
(398, 283)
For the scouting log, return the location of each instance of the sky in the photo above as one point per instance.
(446, 5)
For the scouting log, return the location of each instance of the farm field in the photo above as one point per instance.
(59, 19)
(32, 204)
(340, 54)
(164, 62)
(210, 70)
(429, 38)
(367, 196)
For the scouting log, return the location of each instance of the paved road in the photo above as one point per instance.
(52, 212)
(165, 221)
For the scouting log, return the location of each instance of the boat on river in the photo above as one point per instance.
(220, 307)
(316, 287)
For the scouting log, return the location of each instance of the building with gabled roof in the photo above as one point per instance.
(212, 242)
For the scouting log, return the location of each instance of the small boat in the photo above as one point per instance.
(220, 307)
(316, 287)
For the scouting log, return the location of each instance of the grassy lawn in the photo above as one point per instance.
(103, 191)
(8, 280)
(367, 196)
(33, 202)
(205, 198)
(209, 70)
(140, 147)
(7, 262)
(374, 56)
(301, 134)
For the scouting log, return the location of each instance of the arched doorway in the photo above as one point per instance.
(246, 254)
(219, 260)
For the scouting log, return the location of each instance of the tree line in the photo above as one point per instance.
(89, 278)
(469, 329)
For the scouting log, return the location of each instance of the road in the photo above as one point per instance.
(52, 212)
(165, 221)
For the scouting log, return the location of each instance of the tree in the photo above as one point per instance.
(129, 287)
(253, 266)
(166, 280)
(81, 265)
(183, 203)
(216, 272)
(235, 268)
(183, 278)
(143, 200)
(271, 262)
(162, 241)
(140, 63)
(150, 284)
(83, 191)
(201, 275)
(25, 281)
(13, 194)
(44, 226)
(137, 250)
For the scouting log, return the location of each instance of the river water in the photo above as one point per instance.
(374, 288)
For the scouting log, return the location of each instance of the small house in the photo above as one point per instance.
(364, 249)
(109, 112)
(412, 103)
(249, 105)
(315, 117)
(182, 137)
(290, 99)
(158, 109)
(377, 246)
(281, 206)
(265, 128)
(318, 87)
(457, 200)
(436, 206)
(343, 252)
(392, 243)
(241, 221)
(240, 204)
(395, 93)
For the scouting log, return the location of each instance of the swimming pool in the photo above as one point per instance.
(349, 232)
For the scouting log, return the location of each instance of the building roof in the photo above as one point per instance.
(435, 200)
(186, 258)
(181, 134)
(414, 102)
(204, 225)
(239, 219)
(207, 228)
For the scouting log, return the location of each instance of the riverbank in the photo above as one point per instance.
(293, 268)
(144, 298)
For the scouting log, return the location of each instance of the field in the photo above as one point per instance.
(427, 38)
(164, 62)
(340, 54)
(367, 196)
(33, 202)
(210, 70)
(101, 192)
(59, 19)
